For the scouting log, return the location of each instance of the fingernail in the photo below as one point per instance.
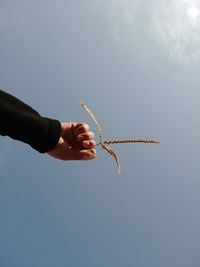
(89, 156)
(93, 151)
(85, 142)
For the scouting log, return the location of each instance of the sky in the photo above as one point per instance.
(136, 65)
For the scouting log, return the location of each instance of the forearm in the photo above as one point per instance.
(21, 122)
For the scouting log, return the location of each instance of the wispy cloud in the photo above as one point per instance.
(123, 18)
(173, 24)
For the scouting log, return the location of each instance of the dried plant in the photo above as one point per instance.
(131, 141)
(105, 144)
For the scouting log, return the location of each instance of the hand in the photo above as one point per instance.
(75, 143)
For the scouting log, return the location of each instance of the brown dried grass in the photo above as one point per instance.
(105, 144)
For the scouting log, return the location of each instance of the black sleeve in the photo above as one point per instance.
(21, 122)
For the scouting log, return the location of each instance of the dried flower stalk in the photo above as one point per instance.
(105, 144)
(131, 141)
(95, 121)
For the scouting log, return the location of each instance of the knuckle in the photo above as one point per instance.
(86, 126)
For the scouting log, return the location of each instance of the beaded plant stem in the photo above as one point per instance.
(105, 144)
(131, 141)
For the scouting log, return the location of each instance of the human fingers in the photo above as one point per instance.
(84, 154)
(85, 136)
(82, 128)
(73, 128)
(88, 144)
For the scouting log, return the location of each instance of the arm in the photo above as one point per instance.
(61, 140)
(19, 121)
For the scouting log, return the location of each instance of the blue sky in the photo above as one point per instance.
(136, 64)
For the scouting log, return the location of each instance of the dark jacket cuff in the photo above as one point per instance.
(49, 135)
